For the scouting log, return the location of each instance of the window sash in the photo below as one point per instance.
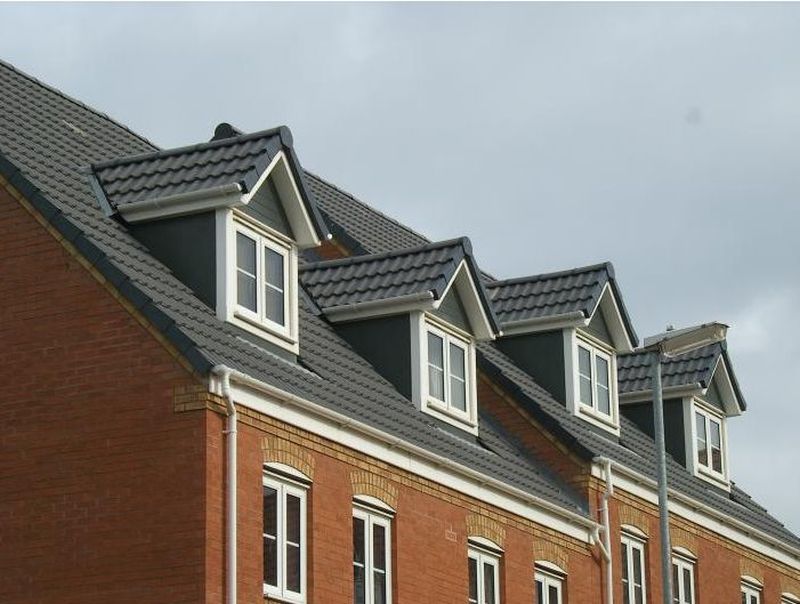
(683, 581)
(377, 578)
(709, 443)
(634, 590)
(549, 588)
(599, 391)
(448, 379)
(486, 578)
(265, 282)
(285, 492)
(752, 594)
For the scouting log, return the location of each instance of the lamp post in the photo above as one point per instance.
(671, 343)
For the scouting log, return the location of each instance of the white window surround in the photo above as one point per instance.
(787, 598)
(574, 341)
(421, 325)
(549, 585)
(634, 588)
(483, 562)
(229, 223)
(375, 566)
(751, 591)
(683, 579)
(692, 407)
(288, 485)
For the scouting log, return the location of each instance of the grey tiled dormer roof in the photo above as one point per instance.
(696, 367)
(425, 270)
(46, 140)
(577, 290)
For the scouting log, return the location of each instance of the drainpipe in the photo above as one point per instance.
(224, 374)
(605, 544)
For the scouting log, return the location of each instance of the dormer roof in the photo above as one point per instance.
(571, 297)
(222, 172)
(696, 370)
(416, 278)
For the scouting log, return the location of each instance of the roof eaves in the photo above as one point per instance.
(138, 299)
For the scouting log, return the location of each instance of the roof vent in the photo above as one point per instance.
(225, 130)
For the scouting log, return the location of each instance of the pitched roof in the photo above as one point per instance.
(46, 139)
(557, 294)
(688, 369)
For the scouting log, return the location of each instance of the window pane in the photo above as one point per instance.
(274, 305)
(585, 373)
(715, 434)
(553, 595)
(687, 585)
(379, 587)
(744, 598)
(702, 449)
(488, 583)
(603, 395)
(473, 581)
(246, 291)
(676, 591)
(270, 511)
(293, 567)
(435, 366)
(293, 518)
(273, 268)
(293, 552)
(539, 592)
(378, 547)
(457, 361)
(625, 572)
(637, 566)
(245, 254)
(359, 575)
(270, 522)
(270, 561)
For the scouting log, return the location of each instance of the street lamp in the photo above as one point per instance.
(666, 345)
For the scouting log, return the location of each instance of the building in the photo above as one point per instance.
(230, 381)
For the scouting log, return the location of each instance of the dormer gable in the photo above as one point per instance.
(700, 393)
(565, 329)
(415, 314)
(228, 217)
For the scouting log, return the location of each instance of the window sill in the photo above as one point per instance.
(270, 598)
(598, 419)
(715, 479)
(265, 332)
(460, 421)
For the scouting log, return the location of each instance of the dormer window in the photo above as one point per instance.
(709, 443)
(263, 266)
(593, 379)
(450, 364)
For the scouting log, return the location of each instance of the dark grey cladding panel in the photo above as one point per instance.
(360, 279)
(696, 367)
(452, 310)
(45, 141)
(266, 208)
(598, 327)
(551, 294)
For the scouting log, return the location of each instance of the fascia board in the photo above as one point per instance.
(228, 195)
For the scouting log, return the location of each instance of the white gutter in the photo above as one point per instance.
(397, 443)
(605, 545)
(172, 205)
(570, 319)
(376, 307)
(231, 515)
(693, 504)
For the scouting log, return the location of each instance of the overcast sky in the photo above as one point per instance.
(665, 138)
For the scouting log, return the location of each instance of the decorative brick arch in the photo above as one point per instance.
(682, 538)
(790, 586)
(365, 483)
(547, 551)
(277, 450)
(634, 517)
(750, 568)
(482, 526)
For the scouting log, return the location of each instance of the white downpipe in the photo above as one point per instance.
(605, 545)
(230, 485)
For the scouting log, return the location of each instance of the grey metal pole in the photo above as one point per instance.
(663, 511)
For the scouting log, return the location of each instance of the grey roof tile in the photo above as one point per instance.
(45, 157)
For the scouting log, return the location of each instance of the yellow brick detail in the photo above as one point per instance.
(278, 450)
(790, 586)
(368, 483)
(633, 517)
(546, 551)
(751, 568)
(683, 538)
(483, 526)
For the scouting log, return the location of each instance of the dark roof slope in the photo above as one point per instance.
(46, 139)
(695, 367)
(555, 294)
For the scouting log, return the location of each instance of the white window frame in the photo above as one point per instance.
(696, 407)
(285, 485)
(467, 419)
(751, 591)
(484, 555)
(229, 224)
(371, 515)
(573, 341)
(788, 598)
(679, 589)
(547, 579)
(636, 546)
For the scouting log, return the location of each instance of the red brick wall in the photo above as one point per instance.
(101, 484)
